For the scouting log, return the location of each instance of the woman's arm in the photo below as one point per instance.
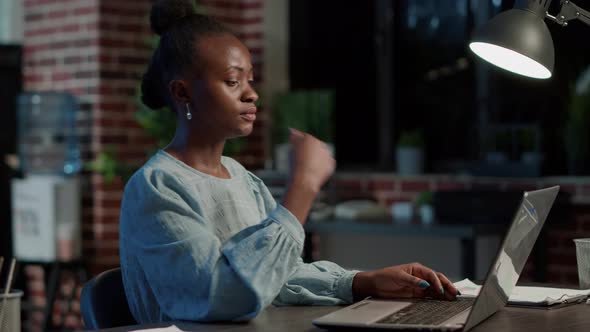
(312, 165)
(317, 283)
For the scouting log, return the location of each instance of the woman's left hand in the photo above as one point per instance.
(408, 280)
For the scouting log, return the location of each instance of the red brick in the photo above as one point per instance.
(583, 227)
(34, 272)
(70, 28)
(449, 186)
(61, 45)
(568, 259)
(96, 25)
(345, 194)
(114, 11)
(130, 28)
(224, 4)
(106, 122)
(47, 62)
(39, 32)
(33, 17)
(521, 186)
(106, 235)
(101, 184)
(104, 220)
(108, 203)
(100, 264)
(58, 14)
(569, 188)
(105, 248)
(487, 185)
(60, 76)
(29, 49)
(415, 186)
(31, 3)
(142, 140)
(387, 198)
(348, 184)
(118, 107)
(72, 59)
(257, 35)
(85, 11)
(256, 51)
(103, 58)
(33, 78)
(114, 43)
(126, 91)
(134, 60)
(381, 184)
(239, 20)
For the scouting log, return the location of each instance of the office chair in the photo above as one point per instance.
(103, 302)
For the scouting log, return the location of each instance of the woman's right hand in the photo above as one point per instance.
(312, 161)
(311, 166)
(408, 280)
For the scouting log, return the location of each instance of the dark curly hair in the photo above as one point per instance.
(179, 28)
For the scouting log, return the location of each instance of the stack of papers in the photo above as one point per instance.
(171, 328)
(530, 296)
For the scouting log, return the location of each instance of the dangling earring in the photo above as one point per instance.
(188, 112)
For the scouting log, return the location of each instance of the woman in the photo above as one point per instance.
(201, 238)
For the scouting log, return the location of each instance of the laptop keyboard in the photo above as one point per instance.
(428, 312)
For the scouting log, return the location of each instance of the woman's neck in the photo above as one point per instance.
(198, 151)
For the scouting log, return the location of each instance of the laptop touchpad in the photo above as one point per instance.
(365, 312)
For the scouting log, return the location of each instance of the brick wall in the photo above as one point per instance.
(61, 53)
(98, 50)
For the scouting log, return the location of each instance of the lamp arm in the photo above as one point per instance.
(570, 11)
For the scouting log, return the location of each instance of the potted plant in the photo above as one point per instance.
(308, 111)
(409, 153)
(498, 145)
(528, 140)
(423, 203)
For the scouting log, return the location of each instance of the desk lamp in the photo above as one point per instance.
(518, 40)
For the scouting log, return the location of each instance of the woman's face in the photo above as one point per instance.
(221, 92)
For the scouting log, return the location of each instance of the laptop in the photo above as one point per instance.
(466, 312)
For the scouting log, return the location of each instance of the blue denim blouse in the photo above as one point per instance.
(200, 248)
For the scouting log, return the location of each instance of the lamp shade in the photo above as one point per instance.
(516, 40)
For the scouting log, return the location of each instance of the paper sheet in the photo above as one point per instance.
(171, 328)
(527, 295)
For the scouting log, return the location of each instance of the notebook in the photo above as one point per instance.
(534, 297)
(467, 311)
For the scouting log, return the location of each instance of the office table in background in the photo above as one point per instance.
(575, 318)
(466, 234)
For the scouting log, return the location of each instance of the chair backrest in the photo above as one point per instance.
(103, 302)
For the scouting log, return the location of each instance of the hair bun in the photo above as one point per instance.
(166, 13)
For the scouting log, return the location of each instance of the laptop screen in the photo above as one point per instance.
(513, 254)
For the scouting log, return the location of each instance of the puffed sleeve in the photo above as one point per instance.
(191, 273)
(317, 283)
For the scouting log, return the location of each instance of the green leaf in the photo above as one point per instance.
(411, 139)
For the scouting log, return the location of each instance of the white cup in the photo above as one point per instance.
(10, 311)
(583, 256)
